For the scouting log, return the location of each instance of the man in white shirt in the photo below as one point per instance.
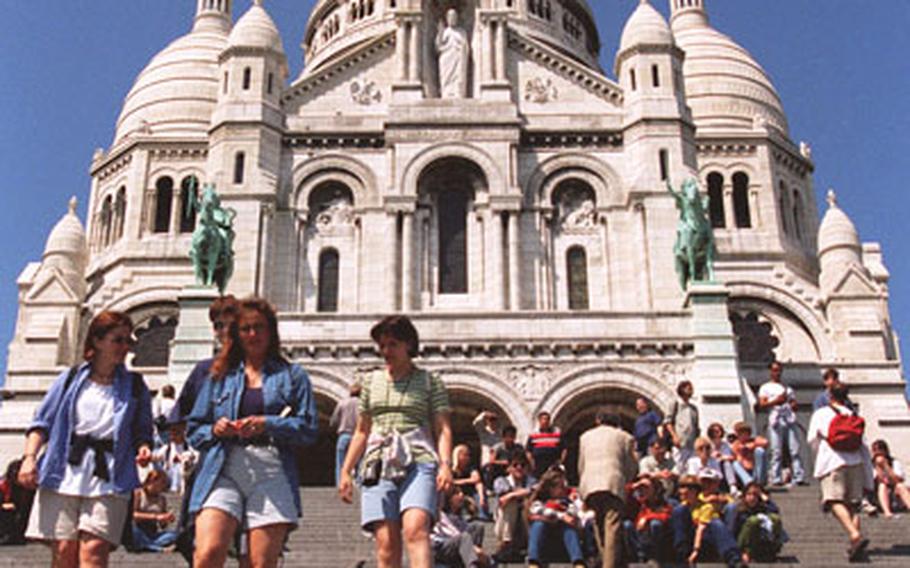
(780, 402)
(842, 474)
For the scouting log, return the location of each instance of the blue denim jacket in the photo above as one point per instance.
(132, 427)
(284, 386)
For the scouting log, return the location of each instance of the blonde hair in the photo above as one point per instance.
(456, 450)
(702, 442)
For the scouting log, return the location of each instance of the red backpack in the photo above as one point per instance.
(845, 434)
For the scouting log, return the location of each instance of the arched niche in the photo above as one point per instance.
(310, 174)
(548, 176)
(414, 170)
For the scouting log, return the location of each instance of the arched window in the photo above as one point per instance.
(741, 200)
(655, 76)
(224, 87)
(577, 271)
(797, 215)
(164, 194)
(189, 189)
(453, 242)
(239, 166)
(782, 207)
(271, 83)
(716, 200)
(664, 160)
(632, 79)
(328, 281)
(106, 221)
(119, 213)
(247, 78)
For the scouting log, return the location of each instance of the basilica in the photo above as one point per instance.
(470, 164)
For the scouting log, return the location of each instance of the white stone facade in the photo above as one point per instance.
(560, 175)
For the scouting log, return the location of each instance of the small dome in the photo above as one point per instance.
(176, 93)
(646, 26)
(837, 231)
(66, 244)
(256, 29)
(725, 87)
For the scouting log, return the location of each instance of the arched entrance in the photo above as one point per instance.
(578, 413)
(316, 463)
(466, 405)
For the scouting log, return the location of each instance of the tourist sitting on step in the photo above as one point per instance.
(843, 466)
(251, 418)
(723, 453)
(891, 488)
(695, 525)
(96, 420)
(151, 515)
(554, 522)
(501, 456)
(403, 467)
(467, 477)
(512, 491)
(646, 526)
(756, 523)
(458, 543)
(702, 459)
(15, 505)
(660, 466)
(750, 455)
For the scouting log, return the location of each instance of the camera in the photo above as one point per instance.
(372, 471)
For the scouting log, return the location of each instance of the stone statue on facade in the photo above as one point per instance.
(694, 249)
(453, 49)
(212, 249)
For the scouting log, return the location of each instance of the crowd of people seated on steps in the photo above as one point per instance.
(102, 455)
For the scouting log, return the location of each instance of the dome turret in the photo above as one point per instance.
(725, 87)
(66, 245)
(839, 247)
(176, 93)
(256, 29)
(646, 26)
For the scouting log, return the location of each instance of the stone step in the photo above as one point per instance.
(329, 537)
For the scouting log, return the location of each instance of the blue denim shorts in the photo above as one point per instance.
(253, 488)
(387, 500)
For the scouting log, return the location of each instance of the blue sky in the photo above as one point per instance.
(840, 66)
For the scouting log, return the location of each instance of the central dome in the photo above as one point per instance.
(337, 26)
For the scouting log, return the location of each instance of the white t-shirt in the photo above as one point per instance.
(782, 413)
(94, 417)
(827, 459)
(694, 465)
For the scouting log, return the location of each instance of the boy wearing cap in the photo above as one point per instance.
(696, 521)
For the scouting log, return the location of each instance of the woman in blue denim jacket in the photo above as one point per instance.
(249, 419)
(96, 420)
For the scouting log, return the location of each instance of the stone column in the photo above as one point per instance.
(301, 261)
(501, 50)
(497, 279)
(514, 261)
(267, 211)
(414, 51)
(407, 261)
(729, 217)
(489, 49)
(754, 213)
(401, 49)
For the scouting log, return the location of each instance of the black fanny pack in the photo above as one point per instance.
(80, 444)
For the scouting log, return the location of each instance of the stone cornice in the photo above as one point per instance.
(121, 155)
(571, 139)
(328, 140)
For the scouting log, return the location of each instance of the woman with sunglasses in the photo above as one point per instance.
(250, 419)
(96, 423)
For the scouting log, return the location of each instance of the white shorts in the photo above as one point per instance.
(62, 517)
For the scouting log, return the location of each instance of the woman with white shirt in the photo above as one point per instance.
(96, 422)
(889, 478)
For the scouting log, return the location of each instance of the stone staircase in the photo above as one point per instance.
(329, 537)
